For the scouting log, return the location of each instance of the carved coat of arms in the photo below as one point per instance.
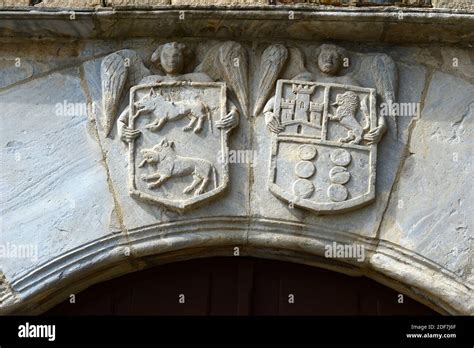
(322, 158)
(325, 126)
(174, 162)
(176, 122)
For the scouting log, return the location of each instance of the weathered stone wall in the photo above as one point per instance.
(454, 4)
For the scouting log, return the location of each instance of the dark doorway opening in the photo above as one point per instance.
(239, 286)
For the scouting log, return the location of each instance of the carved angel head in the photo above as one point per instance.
(330, 59)
(171, 57)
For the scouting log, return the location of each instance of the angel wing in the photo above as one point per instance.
(272, 62)
(119, 71)
(229, 62)
(273, 66)
(385, 75)
(297, 66)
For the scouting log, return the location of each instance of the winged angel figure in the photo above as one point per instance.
(377, 71)
(124, 69)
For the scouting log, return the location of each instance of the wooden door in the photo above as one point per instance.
(238, 286)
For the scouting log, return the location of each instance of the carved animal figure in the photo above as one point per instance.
(329, 69)
(347, 105)
(124, 69)
(169, 165)
(164, 111)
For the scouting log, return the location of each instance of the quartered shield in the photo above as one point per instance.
(321, 161)
(174, 161)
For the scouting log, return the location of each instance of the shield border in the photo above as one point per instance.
(194, 201)
(323, 207)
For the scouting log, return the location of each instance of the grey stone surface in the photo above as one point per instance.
(69, 3)
(372, 24)
(14, 3)
(13, 71)
(430, 210)
(457, 4)
(54, 191)
(136, 214)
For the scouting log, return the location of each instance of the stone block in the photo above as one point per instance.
(454, 4)
(60, 197)
(4, 3)
(113, 3)
(69, 3)
(430, 211)
(219, 2)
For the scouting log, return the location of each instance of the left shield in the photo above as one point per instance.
(175, 161)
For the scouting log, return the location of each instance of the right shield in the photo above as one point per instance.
(321, 161)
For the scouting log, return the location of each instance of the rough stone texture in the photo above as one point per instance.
(20, 62)
(457, 4)
(367, 24)
(440, 163)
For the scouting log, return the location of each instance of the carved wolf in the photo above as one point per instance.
(164, 111)
(347, 105)
(168, 165)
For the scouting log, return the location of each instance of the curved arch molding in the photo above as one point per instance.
(251, 146)
(116, 255)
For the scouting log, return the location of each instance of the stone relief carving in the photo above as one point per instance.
(273, 60)
(173, 161)
(183, 125)
(168, 165)
(322, 119)
(325, 131)
(164, 111)
(167, 113)
(3, 288)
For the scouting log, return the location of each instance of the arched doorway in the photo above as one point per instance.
(238, 286)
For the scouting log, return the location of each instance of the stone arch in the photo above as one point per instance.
(116, 255)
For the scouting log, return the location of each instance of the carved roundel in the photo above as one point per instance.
(341, 157)
(337, 193)
(305, 169)
(303, 188)
(339, 175)
(307, 152)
